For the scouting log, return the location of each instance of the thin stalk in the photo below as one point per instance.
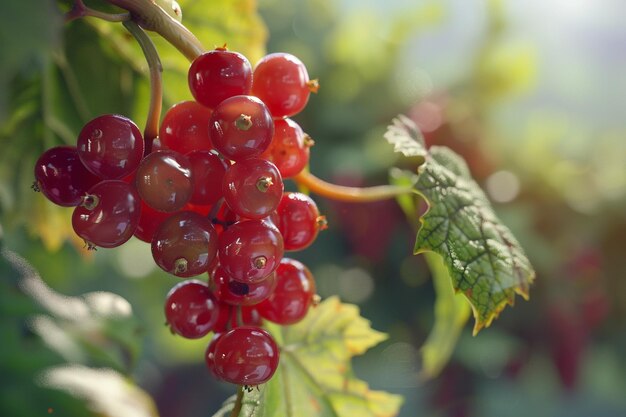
(238, 402)
(152, 17)
(151, 130)
(79, 9)
(349, 194)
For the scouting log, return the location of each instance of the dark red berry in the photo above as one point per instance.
(250, 250)
(185, 244)
(246, 355)
(164, 180)
(191, 309)
(61, 176)
(110, 146)
(207, 170)
(229, 290)
(108, 214)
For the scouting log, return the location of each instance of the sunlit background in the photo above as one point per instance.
(531, 93)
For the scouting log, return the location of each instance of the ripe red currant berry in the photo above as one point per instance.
(282, 82)
(108, 214)
(253, 188)
(250, 250)
(191, 309)
(229, 290)
(207, 170)
(110, 146)
(61, 177)
(164, 180)
(185, 244)
(241, 127)
(246, 355)
(293, 295)
(290, 148)
(219, 74)
(185, 128)
(299, 220)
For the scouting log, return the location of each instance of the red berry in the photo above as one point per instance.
(185, 128)
(299, 220)
(289, 149)
(246, 356)
(110, 146)
(61, 177)
(241, 127)
(293, 295)
(282, 82)
(219, 74)
(185, 244)
(231, 291)
(207, 170)
(164, 180)
(191, 309)
(209, 356)
(108, 215)
(250, 250)
(253, 188)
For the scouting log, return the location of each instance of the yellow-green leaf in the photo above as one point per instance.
(315, 378)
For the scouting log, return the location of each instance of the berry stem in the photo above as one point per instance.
(79, 9)
(152, 17)
(238, 402)
(151, 130)
(349, 194)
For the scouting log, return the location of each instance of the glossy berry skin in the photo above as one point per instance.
(219, 74)
(250, 250)
(61, 177)
(293, 295)
(149, 221)
(185, 128)
(164, 180)
(246, 355)
(289, 149)
(241, 127)
(207, 170)
(209, 355)
(230, 291)
(281, 81)
(253, 188)
(185, 244)
(191, 310)
(299, 220)
(108, 215)
(110, 146)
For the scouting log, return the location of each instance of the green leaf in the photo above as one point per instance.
(314, 378)
(483, 258)
(95, 328)
(106, 392)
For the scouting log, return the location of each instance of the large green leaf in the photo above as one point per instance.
(483, 258)
(314, 378)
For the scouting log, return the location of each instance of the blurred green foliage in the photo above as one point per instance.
(532, 92)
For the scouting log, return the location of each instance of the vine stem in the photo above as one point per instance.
(238, 402)
(151, 130)
(152, 17)
(349, 194)
(79, 9)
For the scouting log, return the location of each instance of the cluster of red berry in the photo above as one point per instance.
(234, 144)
